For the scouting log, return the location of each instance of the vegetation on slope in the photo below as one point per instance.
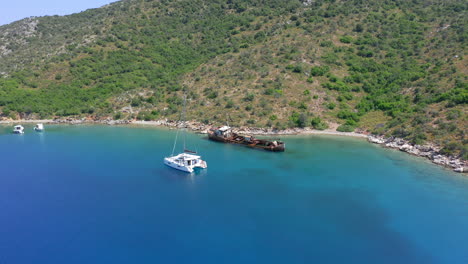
(389, 67)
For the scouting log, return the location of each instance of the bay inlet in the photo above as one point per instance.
(101, 194)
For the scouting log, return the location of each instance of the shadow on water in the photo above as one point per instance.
(365, 221)
(331, 216)
(172, 175)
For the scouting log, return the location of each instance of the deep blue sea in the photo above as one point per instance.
(101, 194)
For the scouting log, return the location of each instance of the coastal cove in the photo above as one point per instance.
(234, 132)
(101, 194)
(428, 151)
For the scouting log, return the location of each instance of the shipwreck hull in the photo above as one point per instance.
(256, 144)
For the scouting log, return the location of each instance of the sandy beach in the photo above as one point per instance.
(194, 126)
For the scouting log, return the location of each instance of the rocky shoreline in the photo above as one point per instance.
(430, 151)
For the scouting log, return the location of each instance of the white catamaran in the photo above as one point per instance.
(187, 160)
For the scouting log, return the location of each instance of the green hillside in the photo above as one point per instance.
(389, 67)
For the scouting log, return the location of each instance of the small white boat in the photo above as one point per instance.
(185, 162)
(18, 129)
(39, 128)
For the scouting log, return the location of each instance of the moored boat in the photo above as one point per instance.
(18, 129)
(226, 135)
(185, 162)
(39, 128)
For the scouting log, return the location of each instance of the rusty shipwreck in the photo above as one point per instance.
(226, 135)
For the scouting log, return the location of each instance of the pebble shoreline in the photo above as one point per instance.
(429, 151)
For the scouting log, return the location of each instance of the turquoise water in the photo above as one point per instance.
(101, 194)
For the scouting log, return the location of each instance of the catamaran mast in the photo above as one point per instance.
(183, 118)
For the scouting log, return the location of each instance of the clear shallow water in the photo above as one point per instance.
(99, 194)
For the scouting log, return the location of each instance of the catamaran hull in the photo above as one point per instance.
(186, 168)
(177, 166)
